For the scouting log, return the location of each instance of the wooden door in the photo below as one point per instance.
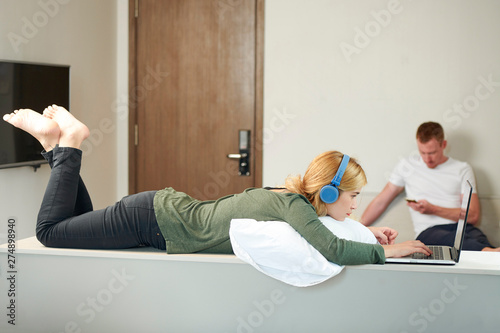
(196, 81)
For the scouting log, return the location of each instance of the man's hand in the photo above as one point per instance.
(422, 206)
(384, 235)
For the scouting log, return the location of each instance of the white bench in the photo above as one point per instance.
(145, 290)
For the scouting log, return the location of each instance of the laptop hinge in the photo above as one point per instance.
(454, 253)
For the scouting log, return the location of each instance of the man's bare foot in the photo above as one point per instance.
(45, 130)
(491, 249)
(73, 132)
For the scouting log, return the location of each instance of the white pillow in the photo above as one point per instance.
(276, 249)
(349, 229)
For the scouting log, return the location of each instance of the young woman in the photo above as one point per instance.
(177, 223)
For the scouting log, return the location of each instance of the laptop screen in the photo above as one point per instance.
(463, 217)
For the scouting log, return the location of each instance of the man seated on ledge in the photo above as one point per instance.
(434, 185)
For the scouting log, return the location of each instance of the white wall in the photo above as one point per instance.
(360, 76)
(82, 34)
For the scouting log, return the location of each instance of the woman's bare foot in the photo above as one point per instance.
(45, 130)
(73, 132)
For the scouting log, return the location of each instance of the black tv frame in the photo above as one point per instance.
(29, 85)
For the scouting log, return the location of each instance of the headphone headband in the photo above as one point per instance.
(340, 172)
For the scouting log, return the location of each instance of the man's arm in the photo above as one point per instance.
(380, 202)
(424, 207)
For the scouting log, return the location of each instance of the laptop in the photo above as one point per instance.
(442, 255)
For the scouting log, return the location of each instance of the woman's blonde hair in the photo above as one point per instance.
(320, 173)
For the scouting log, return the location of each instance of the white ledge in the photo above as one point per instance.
(471, 262)
(33, 246)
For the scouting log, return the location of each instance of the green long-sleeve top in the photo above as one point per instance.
(189, 225)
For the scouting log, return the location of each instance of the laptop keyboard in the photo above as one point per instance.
(437, 253)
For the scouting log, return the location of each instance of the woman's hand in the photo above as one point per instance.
(384, 235)
(406, 248)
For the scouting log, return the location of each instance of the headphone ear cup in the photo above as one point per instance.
(329, 194)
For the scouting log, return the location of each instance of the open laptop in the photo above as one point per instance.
(450, 255)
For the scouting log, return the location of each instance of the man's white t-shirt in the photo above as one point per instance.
(442, 186)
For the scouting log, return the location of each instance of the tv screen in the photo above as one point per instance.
(28, 86)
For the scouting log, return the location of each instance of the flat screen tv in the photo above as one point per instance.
(28, 86)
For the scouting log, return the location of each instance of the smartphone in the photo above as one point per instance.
(411, 200)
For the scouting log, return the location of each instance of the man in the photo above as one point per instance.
(434, 185)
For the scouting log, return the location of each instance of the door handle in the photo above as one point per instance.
(236, 156)
(244, 155)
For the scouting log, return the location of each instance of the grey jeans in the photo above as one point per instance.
(67, 219)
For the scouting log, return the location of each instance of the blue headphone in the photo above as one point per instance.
(330, 193)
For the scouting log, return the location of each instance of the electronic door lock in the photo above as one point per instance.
(244, 155)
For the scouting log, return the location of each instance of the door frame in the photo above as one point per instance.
(257, 138)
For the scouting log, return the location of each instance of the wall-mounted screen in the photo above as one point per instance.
(28, 86)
